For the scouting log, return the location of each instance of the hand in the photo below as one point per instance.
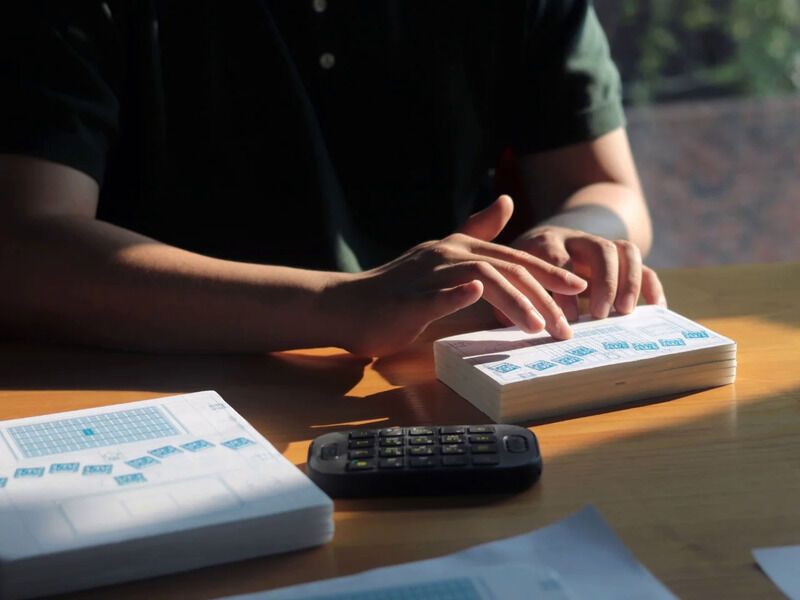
(386, 308)
(614, 269)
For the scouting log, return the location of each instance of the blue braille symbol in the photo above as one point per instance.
(88, 432)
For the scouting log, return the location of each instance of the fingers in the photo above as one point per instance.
(497, 290)
(652, 289)
(568, 305)
(549, 275)
(512, 290)
(603, 261)
(488, 223)
(446, 301)
(630, 276)
(549, 247)
(501, 318)
(614, 269)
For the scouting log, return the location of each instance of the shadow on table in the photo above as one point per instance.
(700, 487)
(652, 486)
(276, 393)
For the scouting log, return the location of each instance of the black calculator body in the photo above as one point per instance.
(425, 460)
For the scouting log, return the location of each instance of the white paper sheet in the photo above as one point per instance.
(578, 557)
(511, 355)
(782, 565)
(101, 475)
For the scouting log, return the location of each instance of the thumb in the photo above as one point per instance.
(488, 223)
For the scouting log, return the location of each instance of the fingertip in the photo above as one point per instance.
(600, 310)
(450, 300)
(534, 322)
(505, 199)
(472, 288)
(505, 205)
(465, 294)
(652, 290)
(561, 329)
(576, 282)
(626, 304)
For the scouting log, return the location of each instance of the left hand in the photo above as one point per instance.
(614, 269)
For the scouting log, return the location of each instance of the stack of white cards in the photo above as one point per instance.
(97, 496)
(514, 376)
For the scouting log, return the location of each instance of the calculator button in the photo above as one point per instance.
(391, 463)
(420, 441)
(390, 452)
(481, 429)
(418, 462)
(454, 461)
(420, 431)
(329, 451)
(485, 460)
(420, 451)
(392, 441)
(360, 464)
(392, 432)
(361, 434)
(369, 443)
(484, 449)
(457, 429)
(483, 438)
(516, 444)
(452, 439)
(453, 449)
(364, 453)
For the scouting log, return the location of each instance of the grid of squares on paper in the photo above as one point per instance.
(449, 589)
(91, 431)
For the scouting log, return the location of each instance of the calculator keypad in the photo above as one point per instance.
(422, 460)
(362, 453)
(457, 445)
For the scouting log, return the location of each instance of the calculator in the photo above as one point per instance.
(425, 460)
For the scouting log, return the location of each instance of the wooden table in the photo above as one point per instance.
(691, 485)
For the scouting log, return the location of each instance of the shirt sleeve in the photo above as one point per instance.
(57, 104)
(571, 90)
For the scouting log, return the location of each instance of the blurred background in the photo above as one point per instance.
(712, 89)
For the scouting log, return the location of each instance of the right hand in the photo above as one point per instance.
(387, 307)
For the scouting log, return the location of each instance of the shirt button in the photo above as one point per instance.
(327, 60)
(319, 5)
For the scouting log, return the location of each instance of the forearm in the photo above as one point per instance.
(81, 280)
(609, 210)
(592, 187)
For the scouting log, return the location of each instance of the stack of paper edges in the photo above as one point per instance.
(103, 495)
(513, 376)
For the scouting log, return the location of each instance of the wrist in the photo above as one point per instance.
(338, 307)
(594, 219)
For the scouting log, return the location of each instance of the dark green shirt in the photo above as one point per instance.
(321, 134)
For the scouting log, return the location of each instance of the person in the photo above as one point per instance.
(263, 175)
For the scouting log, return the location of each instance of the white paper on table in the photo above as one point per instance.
(578, 557)
(782, 566)
(511, 355)
(109, 474)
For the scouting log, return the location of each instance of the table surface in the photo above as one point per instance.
(691, 484)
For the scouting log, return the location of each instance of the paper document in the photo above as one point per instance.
(152, 473)
(510, 355)
(514, 376)
(782, 565)
(577, 558)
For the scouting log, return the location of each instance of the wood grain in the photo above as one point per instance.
(691, 485)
